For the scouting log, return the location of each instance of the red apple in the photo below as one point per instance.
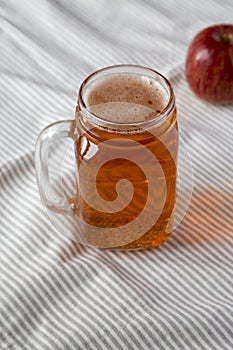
(209, 64)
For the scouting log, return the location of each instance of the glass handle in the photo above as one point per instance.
(53, 132)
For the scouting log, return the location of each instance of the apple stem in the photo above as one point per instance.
(224, 38)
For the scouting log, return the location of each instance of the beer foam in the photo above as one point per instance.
(125, 98)
(122, 112)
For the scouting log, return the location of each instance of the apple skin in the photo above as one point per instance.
(209, 64)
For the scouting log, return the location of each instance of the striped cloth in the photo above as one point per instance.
(55, 294)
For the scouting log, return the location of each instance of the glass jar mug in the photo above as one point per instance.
(125, 143)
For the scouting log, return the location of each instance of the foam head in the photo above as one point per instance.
(125, 98)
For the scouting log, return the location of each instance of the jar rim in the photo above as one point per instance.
(96, 120)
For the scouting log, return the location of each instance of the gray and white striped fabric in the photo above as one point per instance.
(55, 294)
